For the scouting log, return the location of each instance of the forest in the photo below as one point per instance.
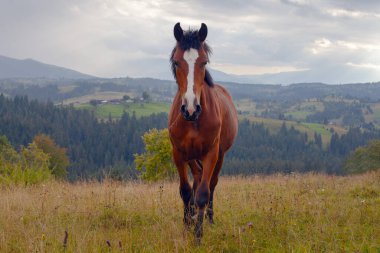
(105, 148)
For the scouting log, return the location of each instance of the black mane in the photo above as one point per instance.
(190, 40)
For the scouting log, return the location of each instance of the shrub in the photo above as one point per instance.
(30, 166)
(364, 158)
(58, 160)
(156, 162)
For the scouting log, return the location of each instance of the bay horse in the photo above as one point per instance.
(202, 125)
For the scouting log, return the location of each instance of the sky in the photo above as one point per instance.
(328, 41)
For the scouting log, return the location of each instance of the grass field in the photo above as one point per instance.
(66, 88)
(104, 95)
(292, 213)
(299, 111)
(248, 106)
(116, 110)
(305, 108)
(309, 128)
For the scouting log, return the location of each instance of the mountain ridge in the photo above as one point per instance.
(11, 68)
(30, 68)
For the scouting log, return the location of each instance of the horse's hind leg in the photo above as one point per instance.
(213, 183)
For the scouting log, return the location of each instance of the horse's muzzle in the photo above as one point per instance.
(194, 116)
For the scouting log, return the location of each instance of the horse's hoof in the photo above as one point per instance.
(198, 241)
(188, 222)
(198, 231)
(210, 217)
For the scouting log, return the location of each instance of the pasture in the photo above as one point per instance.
(116, 111)
(105, 95)
(274, 126)
(279, 213)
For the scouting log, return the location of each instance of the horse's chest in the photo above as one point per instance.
(191, 144)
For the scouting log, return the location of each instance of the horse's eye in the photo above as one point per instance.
(203, 63)
(176, 63)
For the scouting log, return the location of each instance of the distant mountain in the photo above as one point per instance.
(328, 75)
(220, 76)
(28, 68)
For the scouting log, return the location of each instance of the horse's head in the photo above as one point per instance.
(189, 59)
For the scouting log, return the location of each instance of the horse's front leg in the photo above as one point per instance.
(202, 196)
(196, 171)
(184, 186)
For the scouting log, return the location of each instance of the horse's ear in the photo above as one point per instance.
(202, 34)
(178, 32)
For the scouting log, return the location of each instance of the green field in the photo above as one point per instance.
(100, 95)
(304, 109)
(115, 111)
(247, 106)
(292, 213)
(299, 111)
(274, 126)
(66, 88)
(103, 111)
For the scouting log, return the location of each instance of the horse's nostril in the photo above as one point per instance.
(198, 108)
(187, 114)
(183, 108)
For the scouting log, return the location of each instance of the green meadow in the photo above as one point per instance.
(115, 111)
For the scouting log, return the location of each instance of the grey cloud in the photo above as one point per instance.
(116, 38)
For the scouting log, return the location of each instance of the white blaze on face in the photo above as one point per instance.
(190, 57)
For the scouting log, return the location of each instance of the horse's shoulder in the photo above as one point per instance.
(219, 89)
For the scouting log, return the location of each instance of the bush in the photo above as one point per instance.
(364, 158)
(156, 163)
(30, 166)
(58, 160)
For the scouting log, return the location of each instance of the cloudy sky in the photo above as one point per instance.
(331, 41)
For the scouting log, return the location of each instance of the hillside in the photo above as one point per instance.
(301, 127)
(293, 213)
(369, 92)
(28, 68)
(105, 146)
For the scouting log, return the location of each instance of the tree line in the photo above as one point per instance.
(98, 148)
(94, 147)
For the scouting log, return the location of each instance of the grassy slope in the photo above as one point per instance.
(305, 108)
(294, 213)
(104, 95)
(308, 128)
(117, 110)
(299, 111)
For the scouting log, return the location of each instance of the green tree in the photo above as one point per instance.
(146, 96)
(156, 162)
(364, 158)
(7, 152)
(318, 139)
(30, 166)
(58, 160)
(94, 102)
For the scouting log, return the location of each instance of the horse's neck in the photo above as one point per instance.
(207, 98)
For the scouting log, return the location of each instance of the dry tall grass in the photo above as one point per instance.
(293, 213)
